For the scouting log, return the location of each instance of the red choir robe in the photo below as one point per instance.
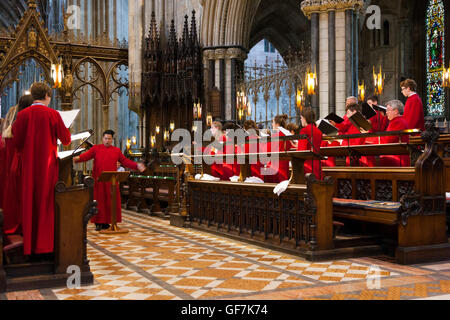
(414, 115)
(105, 159)
(315, 136)
(278, 171)
(252, 146)
(36, 131)
(11, 202)
(2, 169)
(397, 124)
(216, 169)
(347, 128)
(229, 168)
(331, 161)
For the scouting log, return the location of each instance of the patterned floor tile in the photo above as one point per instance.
(156, 261)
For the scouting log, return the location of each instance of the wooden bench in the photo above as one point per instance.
(300, 220)
(409, 200)
(161, 184)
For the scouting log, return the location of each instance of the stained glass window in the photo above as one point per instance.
(435, 58)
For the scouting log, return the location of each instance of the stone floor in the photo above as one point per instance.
(158, 262)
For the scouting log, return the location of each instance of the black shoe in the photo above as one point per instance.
(98, 227)
(105, 226)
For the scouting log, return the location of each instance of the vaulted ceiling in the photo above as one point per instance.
(12, 10)
(280, 22)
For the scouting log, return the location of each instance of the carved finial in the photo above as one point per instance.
(31, 4)
(186, 29)
(194, 37)
(431, 133)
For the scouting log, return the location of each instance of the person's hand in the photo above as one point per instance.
(141, 167)
(76, 160)
(363, 131)
(333, 123)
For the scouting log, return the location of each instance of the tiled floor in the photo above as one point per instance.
(158, 262)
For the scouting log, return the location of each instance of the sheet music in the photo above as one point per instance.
(286, 132)
(78, 136)
(65, 154)
(69, 117)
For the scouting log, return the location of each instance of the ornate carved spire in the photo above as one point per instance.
(32, 4)
(194, 37)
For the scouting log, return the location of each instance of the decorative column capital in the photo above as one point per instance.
(236, 53)
(316, 6)
(209, 54)
(220, 54)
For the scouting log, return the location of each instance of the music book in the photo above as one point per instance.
(66, 154)
(334, 117)
(79, 136)
(327, 128)
(286, 132)
(367, 111)
(359, 121)
(380, 108)
(69, 117)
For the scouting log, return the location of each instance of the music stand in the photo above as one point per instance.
(114, 177)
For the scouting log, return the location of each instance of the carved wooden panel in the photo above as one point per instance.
(404, 188)
(285, 218)
(363, 190)
(383, 190)
(345, 190)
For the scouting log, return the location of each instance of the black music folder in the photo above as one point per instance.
(327, 128)
(379, 108)
(367, 111)
(359, 121)
(334, 117)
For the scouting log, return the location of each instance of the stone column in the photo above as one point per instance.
(315, 46)
(135, 42)
(323, 60)
(340, 63)
(220, 57)
(235, 55)
(332, 60)
(349, 52)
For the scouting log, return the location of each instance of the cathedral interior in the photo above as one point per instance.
(145, 68)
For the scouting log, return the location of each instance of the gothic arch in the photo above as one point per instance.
(235, 23)
(98, 83)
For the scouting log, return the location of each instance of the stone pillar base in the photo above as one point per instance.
(178, 220)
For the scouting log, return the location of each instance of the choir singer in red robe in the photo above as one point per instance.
(35, 134)
(397, 123)
(12, 223)
(413, 114)
(105, 158)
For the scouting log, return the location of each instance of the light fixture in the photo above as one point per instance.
(134, 141)
(209, 120)
(172, 126)
(158, 129)
(27, 92)
(153, 141)
(166, 135)
(57, 74)
(128, 144)
(300, 98)
(446, 78)
(361, 91)
(197, 111)
(311, 82)
(378, 81)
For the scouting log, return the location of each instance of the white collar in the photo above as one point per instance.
(412, 94)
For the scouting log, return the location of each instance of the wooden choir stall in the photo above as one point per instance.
(398, 211)
(74, 207)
